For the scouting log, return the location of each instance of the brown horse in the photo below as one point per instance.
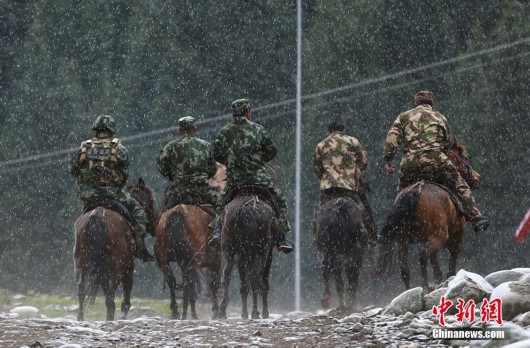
(181, 237)
(104, 252)
(340, 237)
(425, 213)
(249, 231)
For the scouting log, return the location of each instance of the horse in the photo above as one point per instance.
(340, 237)
(249, 231)
(427, 214)
(181, 237)
(104, 251)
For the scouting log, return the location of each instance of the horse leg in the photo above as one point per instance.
(192, 293)
(172, 284)
(81, 293)
(265, 286)
(423, 258)
(353, 279)
(339, 283)
(214, 280)
(256, 282)
(243, 288)
(186, 294)
(403, 263)
(325, 301)
(109, 289)
(226, 269)
(454, 252)
(436, 269)
(127, 289)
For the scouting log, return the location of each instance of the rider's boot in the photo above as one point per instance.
(284, 245)
(141, 250)
(215, 238)
(372, 234)
(480, 223)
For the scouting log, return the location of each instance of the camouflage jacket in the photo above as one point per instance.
(101, 167)
(244, 147)
(338, 162)
(423, 133)
(187, 161)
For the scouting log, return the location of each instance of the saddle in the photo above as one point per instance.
(260, 191)
(448, 187)
(111, 205)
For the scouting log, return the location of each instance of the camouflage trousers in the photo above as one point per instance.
(443, 172)
(192, 195)
(135, 209)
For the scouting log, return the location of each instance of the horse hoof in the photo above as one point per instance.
(244, 316)
(265, 315)
(325, 303)
(255, 315)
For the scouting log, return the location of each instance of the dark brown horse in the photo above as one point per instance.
(181, 237)
(425, 213)
(104, 253)
(249, 231)
(340, 237)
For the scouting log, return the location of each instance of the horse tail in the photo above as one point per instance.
(402, 214)
(178, 240)
(247, 227)
(344, 226)
(96, 232)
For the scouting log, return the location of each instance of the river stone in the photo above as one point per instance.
(409, 301)
(522, 319)
(445, 283)
(515, 297)
(520, 344)
(497, 278)
(467, 286)
(525, 278)
(433, 298)
(25, 312)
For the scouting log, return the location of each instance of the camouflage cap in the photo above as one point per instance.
(186, 122)
(104, 123)
(239, 106)
(423, 96)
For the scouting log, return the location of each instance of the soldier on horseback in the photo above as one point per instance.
(101, 167)
(188, 163)
(245, 147)
(426, 138)
(338, 162)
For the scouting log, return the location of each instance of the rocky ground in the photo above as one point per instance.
(408, 321)
(296, 329)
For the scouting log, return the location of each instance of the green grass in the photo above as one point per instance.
(56, 306)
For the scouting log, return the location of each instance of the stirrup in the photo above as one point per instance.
(284, 245)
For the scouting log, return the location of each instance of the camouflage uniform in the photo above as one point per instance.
(426, 138)
(244, 147)
(101, 167)
(338, 162)
(188, 163)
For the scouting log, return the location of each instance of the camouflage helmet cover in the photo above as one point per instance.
(239, 106)
(104, 123)
(186, 122)
(423, 97)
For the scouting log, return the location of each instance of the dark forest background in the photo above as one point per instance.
(149, 62)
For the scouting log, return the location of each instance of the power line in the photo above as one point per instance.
(290, 101)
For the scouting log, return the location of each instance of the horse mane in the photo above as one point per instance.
(140, 185)
(460, 149)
